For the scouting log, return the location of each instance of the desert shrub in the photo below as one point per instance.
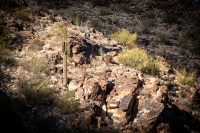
(163, 38)
(31, 82)
(181, 51)
(36, 44)
(5, 59)
(125, 37)
(147, 24)
(24, 14)
(115, 7)
(171, 18)
(194, 37)
(96, 24)
(152, 68)
(5, 45)
(160, 52)
(195, 102)
(185, 78)
(196, 46)
(66, 103)
(59, 30)
(105, 11)
(100, 2)
(121, 7)
(182, 41)
(4, 33)
(4, 52)
(126, 8)
(78, 18)
(35, 91)
(37, 65)
(149, 14)
(138, 59)
(106, 2)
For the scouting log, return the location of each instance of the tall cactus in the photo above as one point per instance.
(64, 52)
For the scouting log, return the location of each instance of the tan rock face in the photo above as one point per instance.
(112, 104)
(75, 84)
(126, 102)
(125, 85)
(108, 59)
(76, 49)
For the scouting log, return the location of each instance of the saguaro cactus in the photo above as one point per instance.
(64, 52)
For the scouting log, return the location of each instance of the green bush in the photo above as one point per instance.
(138, 59)
(185, 78)
(125, 37)
(152, 68)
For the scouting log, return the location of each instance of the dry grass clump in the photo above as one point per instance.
(36, 44)
(185, 78)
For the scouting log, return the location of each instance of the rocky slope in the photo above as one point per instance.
(112, 97)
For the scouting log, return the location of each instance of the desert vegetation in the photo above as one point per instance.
(186, 78)
(135, 57)
(125, 37)
(99, 66)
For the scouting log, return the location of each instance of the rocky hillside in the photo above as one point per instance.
(46, 43)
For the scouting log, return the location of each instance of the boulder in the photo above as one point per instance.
(76, 49)
(79, 59)
(112, 104)
(75, 84)
(126, 102)
(108, 59)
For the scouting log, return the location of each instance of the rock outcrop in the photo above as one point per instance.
(112, 97)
